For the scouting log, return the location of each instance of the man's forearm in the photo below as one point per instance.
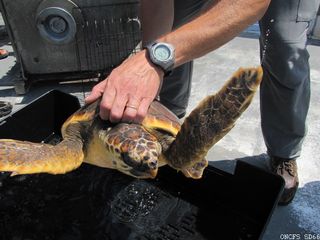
(222, 21)
(137, 80)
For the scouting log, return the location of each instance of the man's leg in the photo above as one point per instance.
(176, 88)
(158, 18)
(285, 89)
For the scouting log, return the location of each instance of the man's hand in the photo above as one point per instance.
(129, 90)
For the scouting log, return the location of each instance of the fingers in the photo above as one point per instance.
(96, 92)
(131, 109)
(106, 104)
(143, 110)
(136, 112)
(129, 91)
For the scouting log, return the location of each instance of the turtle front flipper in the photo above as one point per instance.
(195, 171)
(211, 120)
(21, 157)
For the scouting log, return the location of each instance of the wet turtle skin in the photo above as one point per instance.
(138, 150)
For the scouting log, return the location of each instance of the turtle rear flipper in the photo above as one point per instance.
(211, 120)
(21, 157)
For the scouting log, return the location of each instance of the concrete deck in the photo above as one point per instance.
(244, 142)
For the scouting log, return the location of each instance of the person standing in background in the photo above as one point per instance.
(285, 88)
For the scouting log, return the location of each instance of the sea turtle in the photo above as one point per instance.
(138, 149)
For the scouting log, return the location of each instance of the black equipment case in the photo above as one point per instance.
(95, 203)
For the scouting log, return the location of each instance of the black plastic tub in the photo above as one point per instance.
(95, 203)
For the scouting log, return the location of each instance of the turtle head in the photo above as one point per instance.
(134, 151)
(138, 164)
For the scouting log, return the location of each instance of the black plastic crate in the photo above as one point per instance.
(95, 203)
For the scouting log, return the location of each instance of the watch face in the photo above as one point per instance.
(162, 53)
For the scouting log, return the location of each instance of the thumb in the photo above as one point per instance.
(96, 92)
(92, 97)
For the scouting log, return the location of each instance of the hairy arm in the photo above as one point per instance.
(130, 88)
(221, 22)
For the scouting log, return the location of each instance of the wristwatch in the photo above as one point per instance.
(162, 55)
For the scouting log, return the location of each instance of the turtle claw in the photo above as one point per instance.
(14, 174)
(196, 170)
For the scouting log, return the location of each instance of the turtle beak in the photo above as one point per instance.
(149, 169)
(141, 167)
(153, 167)
(153, 173)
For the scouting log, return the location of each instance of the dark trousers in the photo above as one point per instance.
(176, 87)
(285, 89)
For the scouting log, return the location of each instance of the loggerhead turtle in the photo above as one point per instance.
(138, 149)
